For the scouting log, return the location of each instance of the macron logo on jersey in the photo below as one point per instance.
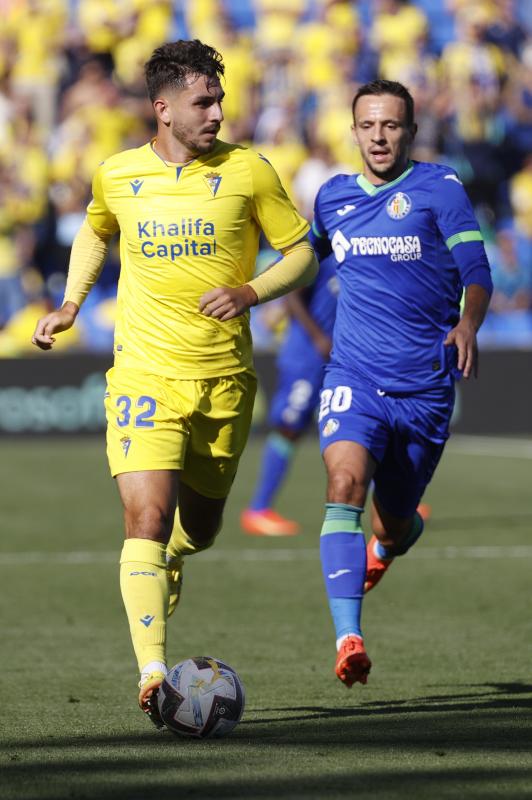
(399, 248)
(135, 185)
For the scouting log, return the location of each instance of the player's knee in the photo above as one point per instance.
(149, 522)
(344, 487)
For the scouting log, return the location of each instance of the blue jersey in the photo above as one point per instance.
(321, 299)
(404, 251)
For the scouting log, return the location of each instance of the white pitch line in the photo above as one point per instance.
(83, 557)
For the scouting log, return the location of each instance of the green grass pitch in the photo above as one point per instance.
(445, 714)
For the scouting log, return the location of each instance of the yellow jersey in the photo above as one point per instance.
(185, 229)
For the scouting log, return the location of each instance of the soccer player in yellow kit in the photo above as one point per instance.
(179, 398)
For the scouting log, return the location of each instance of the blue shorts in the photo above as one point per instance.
(297, 394)
(405, 434)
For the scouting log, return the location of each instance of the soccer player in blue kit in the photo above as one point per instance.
(406, 243)
(300, 365)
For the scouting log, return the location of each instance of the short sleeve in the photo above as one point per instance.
(272, 209)
(460, 231)
(454, 213)
(318, 233)
(99, 217)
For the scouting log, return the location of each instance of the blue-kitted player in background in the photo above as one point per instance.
(300, 365)
(406, 243)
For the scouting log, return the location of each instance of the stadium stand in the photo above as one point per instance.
(72, 93)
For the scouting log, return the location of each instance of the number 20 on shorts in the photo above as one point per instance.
(337, 400)
(143, 411)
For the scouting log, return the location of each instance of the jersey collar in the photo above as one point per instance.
(169, 163)
(183, 165)
(371, 189)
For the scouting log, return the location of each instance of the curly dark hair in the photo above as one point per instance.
(394, 88)
(172, 63)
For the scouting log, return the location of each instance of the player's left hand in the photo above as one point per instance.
(464, 337)
(226, 303)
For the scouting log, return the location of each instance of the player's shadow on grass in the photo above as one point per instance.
(303, 752)
(516, 695)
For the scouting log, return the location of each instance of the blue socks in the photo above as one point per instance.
(343, 561)
(276, 459)
(415, 532)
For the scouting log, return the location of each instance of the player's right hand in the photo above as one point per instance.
(55, 322)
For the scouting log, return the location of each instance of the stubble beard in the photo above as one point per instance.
(195, 148)
(389, 172)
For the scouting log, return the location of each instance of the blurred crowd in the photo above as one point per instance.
(72, 93)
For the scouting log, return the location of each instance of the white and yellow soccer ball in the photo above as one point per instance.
(201, 697)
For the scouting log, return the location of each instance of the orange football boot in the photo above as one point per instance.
(352, 662)
(267, 523)
(425, 511)
(376, 566)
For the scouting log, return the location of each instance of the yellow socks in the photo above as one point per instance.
(150, 582)
(144, 587)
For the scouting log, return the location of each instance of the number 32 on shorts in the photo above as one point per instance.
(336, 400)
(145, 408)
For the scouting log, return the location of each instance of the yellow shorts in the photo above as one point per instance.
(197, 426)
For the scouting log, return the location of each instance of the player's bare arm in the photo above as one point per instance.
(57, 321)
(464, 335)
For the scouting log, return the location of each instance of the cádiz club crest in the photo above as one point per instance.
(213, 180)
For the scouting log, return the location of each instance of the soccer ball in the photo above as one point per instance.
(201, 697)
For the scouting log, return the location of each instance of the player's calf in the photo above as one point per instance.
(380, 558)
(174, 573)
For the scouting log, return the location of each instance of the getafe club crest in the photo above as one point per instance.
(399, 206)
(330, 427)
(213, 180)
